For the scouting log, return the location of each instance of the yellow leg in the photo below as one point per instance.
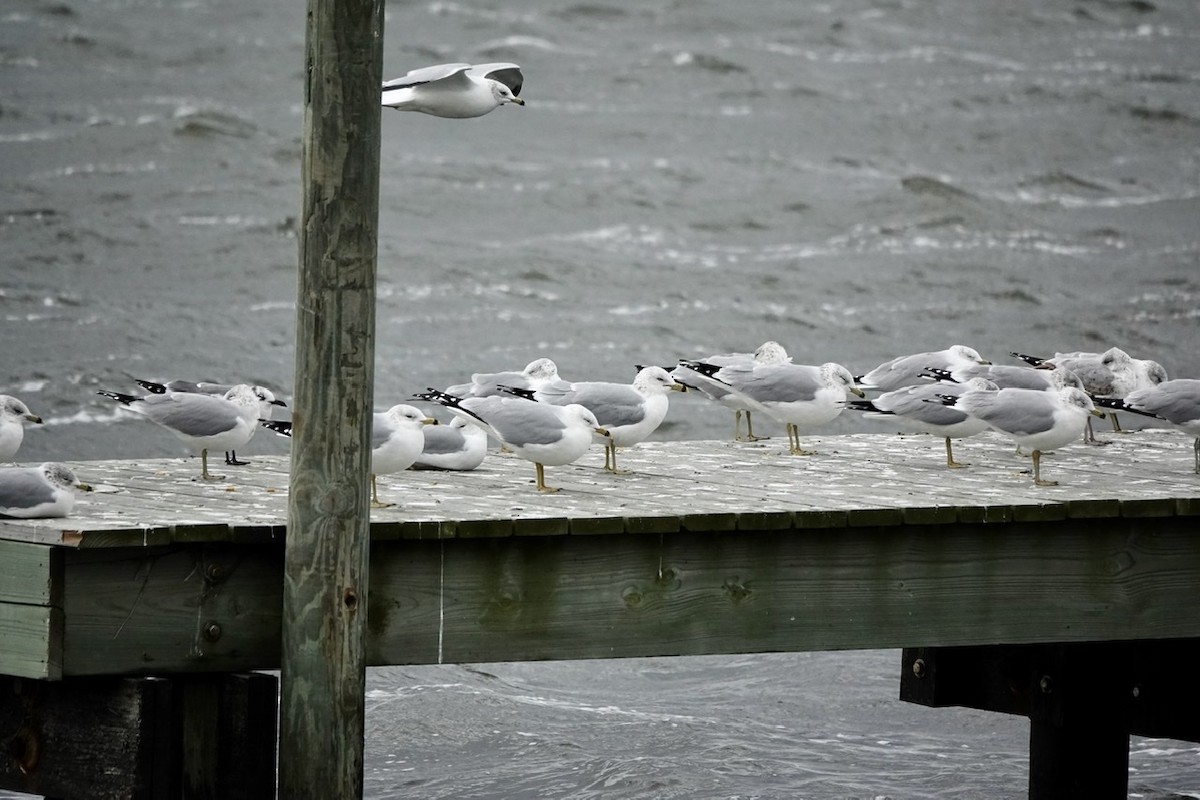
(541, 479)
(794, 442)
(375, 496)
(950, 462)
(1037, 470)
(750, 437)
(610, 458)
(204, 473)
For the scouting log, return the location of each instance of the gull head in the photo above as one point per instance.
(503, 94)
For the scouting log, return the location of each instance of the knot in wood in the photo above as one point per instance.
(337, 499)
(632, 596)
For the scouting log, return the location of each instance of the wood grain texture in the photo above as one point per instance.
(32, 641)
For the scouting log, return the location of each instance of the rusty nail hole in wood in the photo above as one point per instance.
(23, 748)
(350, 598)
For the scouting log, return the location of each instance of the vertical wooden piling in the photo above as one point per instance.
(325, 575)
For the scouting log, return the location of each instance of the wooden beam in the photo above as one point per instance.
(191, 608)
(325, 572)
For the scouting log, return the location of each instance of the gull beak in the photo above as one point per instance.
(429, 421)
(678, 387)
(856, 391)
(1098, 413)
(84, 487)
(518, 100)
(602, 432)
(33, 418)
(278, 403)
(984, 361)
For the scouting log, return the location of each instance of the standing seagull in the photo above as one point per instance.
(36, 492)
(545, 434)
(13, 416)
(794, 394)
(629, 412)
(205, 422)
(1176, 402)
(921, 407)
(266, 401)
(1037, 420)
(767, 353)
(457, 91)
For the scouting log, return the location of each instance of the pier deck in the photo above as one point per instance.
(707, 547)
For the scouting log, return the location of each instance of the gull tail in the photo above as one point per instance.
(1117, 404)
(126, 399)
(281, 426)
(1033, 361)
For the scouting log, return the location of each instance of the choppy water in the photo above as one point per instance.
(856, 179)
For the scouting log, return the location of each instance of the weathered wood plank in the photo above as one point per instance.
(32, 639)
(29, 573)
(857, 480)
(661, 593)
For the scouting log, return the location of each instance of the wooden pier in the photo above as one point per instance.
(133, 628)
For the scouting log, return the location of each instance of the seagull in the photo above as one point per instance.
(38, 492)
(767, 353)
(204, 421)
(794, 394)
(396, 441)
(458, 446)
(456, 91)
(1035, 419)
(906, 370)
(629, 412)
(1111, 374)
(1177, 402)
(266, 401)
(535, 375)
(547, 435)
(920, 406)
(1009, 377)
(13, 416)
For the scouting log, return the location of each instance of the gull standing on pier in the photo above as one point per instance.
(767, 353)
(203, 421)
(798, 395)
(535, 375)
(38, 492)
(266, 401)
(458, 91)
(1036, 420)
(921, 407)
(545, 434)
(13, 416)
(1176, 402)
(629, 412)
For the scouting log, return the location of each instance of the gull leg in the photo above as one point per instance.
(232, 460)
(950, 462)
(375, 503)
(541, 479)
(204, 473)
(1089, 435)
(737, 425)
(750, 437)
(1037, 471)
(610, 458)
(794, 442)
(1116, 425)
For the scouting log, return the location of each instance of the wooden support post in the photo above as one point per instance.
(228, 735)
(1083, 701)
(325, 574)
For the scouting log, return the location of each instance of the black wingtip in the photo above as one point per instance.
(119, 397)
(526, 394)
(281, 426)
(1033, 361)
(703, 367)
(151, 386)
(863, 405)
(937, 374)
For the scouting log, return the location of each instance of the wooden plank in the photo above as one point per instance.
(862, 479)
(32, 637)
(198, 608)
(228, 736)
(29, 573)
(660, 593)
